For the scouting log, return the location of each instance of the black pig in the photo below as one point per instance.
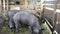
(29, 19)
(11, 13)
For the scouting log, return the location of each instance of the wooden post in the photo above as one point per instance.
(54, 15)
(42, 10)
(7, 8)
(0, 8)
(4, 7)
(7, 5)
(26, 4)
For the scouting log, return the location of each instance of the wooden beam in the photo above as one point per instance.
(4, 7)
(54, 16)
(7, 5)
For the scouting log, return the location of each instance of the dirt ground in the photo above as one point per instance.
(24, 30)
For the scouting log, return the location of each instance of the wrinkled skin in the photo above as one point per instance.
(29, 19)
(11, 23)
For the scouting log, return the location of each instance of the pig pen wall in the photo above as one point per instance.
(49, 15)
(57, 26)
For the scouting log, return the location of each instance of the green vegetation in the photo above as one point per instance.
(23, 30)
(47, 30)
